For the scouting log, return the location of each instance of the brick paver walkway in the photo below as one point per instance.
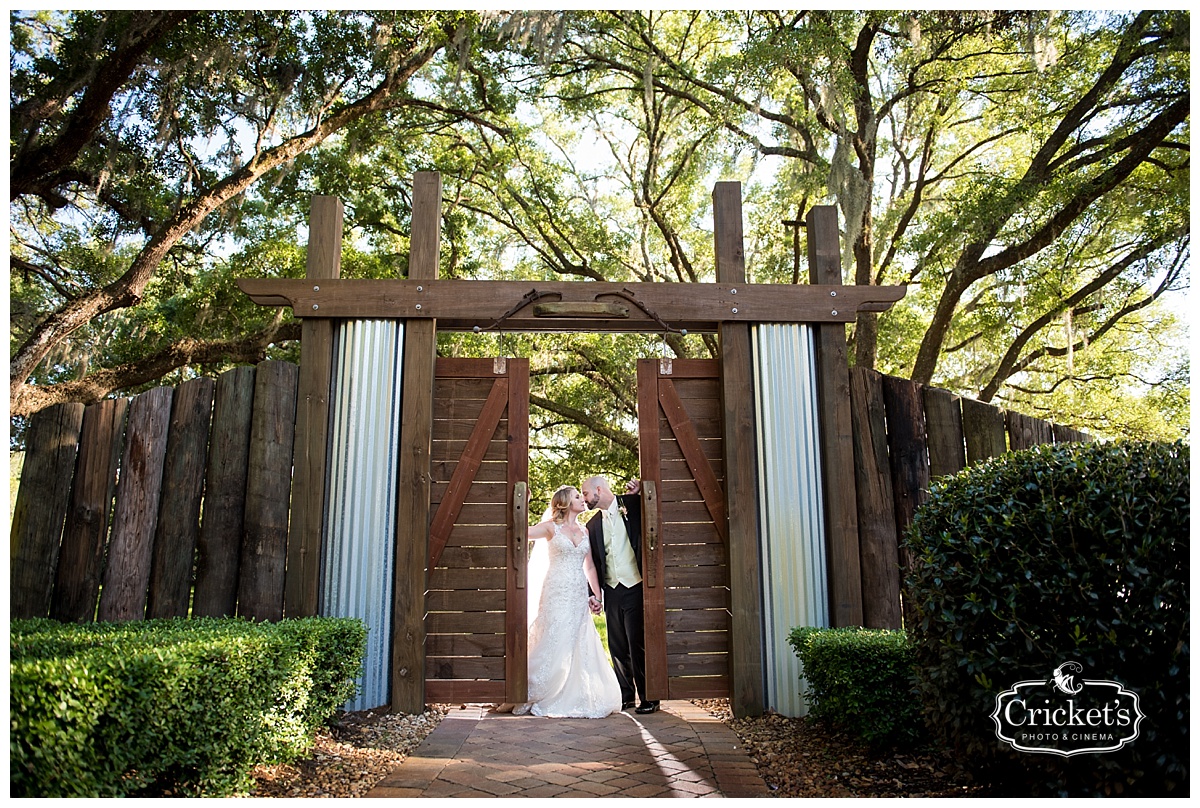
(680, 751)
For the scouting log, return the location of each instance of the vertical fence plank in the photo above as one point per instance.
(1066, 434)
(748, 693)
(135, 515)
(179, 511)
(1025, 431)
(81, 560)
(983, 428)
(268, 492)
(837, 443)
(906, 451)
(302, 586)
(416, 435)
(41, 509)
(944, 432)
(220, 541)
(877, 535)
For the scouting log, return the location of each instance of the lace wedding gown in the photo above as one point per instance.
(570, 676)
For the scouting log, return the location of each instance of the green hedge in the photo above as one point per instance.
(1068, 552)
(862, 681)
(190, 706)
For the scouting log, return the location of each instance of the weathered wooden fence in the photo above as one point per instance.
(904, 436)
(176, 502)
(171, 503)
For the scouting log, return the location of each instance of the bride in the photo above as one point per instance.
(569, 673)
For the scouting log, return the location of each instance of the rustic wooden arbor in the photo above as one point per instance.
(425, 304)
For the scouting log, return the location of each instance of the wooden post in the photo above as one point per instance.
(983, 428)
(837, 442)
(135, 515)
(41, 507)
(416, 433)
(654, 607)
(907, 456)
(747, 688)
(944, 432)
(179, 509)
(301, 590)
(516, 643)
(268, 485)
(878, 538)
(220, 542)
(1026, 432)
(82, 557)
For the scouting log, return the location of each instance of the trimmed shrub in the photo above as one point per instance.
(1071, 552)
(861, 680)
(186, 706)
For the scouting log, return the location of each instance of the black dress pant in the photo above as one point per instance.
(626, 638)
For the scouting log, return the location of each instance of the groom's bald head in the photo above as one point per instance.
(596, 492)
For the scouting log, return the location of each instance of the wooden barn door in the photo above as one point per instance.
(475, 634)
(685, 535)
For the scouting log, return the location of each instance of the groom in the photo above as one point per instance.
(615, 536)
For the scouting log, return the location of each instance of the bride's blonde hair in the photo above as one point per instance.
(560, 504)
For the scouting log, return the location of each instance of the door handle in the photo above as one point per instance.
(520, 529)
(650, 531)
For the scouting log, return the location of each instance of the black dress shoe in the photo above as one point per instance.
(647, 707)
(627, 705)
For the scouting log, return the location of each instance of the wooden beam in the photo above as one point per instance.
(302, 585)
(460, 305)
(747, 695)
(837, 440)
(416, 434)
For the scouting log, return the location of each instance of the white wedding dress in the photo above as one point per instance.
(570, 676)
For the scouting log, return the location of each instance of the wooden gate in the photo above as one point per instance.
(685, 558)
(475, 634)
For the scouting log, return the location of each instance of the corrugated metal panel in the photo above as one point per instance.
(359, 548)
(795, 587)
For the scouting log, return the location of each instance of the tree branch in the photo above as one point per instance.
(583, 419)
(98, 384)
(104, 78)
(127, 290)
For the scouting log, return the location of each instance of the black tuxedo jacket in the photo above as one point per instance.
(633, 526)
